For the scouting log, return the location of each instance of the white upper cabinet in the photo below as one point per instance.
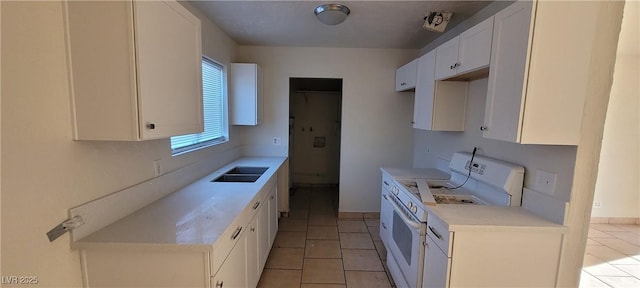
(406, 76)
(467, 52)
(439, 105)
(537, 82)
(246, 94)
(135, 69)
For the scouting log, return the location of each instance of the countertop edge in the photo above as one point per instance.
(95, 241)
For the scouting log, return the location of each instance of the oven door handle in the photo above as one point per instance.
(406, 219)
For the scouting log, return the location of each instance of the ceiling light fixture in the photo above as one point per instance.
(332, 14)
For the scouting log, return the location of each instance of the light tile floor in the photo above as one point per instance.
(612, 257)
(315, 249)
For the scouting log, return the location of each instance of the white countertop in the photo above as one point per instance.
(461, 217)
(194, 216)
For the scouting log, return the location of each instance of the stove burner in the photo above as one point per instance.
(451, 199)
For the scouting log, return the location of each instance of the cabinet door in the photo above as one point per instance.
(447, 58)
(264, 233)
(436, 266)
(233, 272)
(509, 58)
(474, 48)
(169, 69)
(253, 251)
(425, 88)
(406, 76)
(245, 90)
(273, 215)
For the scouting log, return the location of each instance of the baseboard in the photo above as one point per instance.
(615, 220)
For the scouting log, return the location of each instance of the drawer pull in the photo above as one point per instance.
(235, 234)
(435, 233)
(385, 197)
(271, 198)
(219, 284)
(255, 206)
(386, 183)
(384, 226)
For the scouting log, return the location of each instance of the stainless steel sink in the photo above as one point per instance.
(242, 174)
(247, 170)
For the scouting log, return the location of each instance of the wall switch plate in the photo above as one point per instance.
(276, 141)
(157, 168)
(545, 182)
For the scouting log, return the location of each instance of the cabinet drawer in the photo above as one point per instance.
(229, 238)
(439, 232)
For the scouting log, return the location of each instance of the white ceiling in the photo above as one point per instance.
(371, 24)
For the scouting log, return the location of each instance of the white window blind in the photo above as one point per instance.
(213, 106)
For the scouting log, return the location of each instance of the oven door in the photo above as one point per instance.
(406, 246)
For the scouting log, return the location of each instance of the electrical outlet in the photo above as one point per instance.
(276, 141)
(597, 204)
(545, 182)
(157, 168)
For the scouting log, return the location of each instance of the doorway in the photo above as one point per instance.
(315, 117)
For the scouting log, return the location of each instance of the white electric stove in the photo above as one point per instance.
(488, 182)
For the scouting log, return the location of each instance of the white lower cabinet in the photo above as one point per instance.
(244, 264)
(490, 256)
(233, 272)
(436, 266)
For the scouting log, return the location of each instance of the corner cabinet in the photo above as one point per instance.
(467, 52)
(538, 81)
(406, 76)
(500, 256)
(135, 69)
(439, 105)
(246, 94)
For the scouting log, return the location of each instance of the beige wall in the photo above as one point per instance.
(376, 129)
(45, 172)
(431, 147)
(316, 115)
(618, 184)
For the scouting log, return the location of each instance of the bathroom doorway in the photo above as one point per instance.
(315, 117)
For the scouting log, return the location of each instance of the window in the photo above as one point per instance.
(214, 113)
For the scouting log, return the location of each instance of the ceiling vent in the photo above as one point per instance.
(437, 21)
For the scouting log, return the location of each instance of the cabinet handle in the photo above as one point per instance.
(483, 128)
(384, 226)
(385, 183)
(271, 198)
(435, 233)
(151, 126)
(402, 84)
(235, 234)
(219, 284)
(255, 206)
(253, 229)
(385, 197)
